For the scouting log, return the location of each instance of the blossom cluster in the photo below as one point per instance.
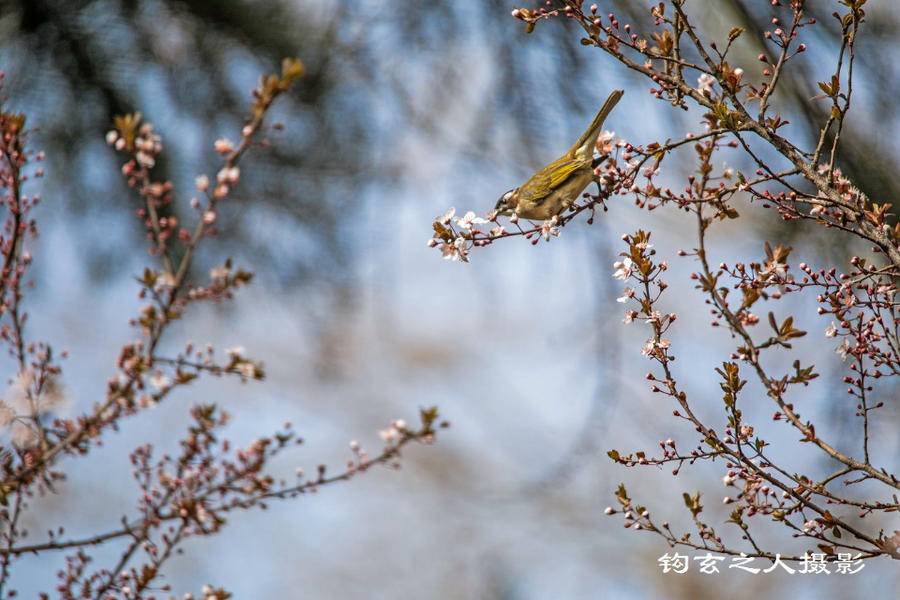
(742, 298)
(182, 495)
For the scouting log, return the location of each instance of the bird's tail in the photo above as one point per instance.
(589, 137)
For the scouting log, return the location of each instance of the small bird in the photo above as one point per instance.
(558, 185)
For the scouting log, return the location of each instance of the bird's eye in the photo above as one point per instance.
(504, 199)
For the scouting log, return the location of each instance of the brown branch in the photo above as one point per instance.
(142, 525)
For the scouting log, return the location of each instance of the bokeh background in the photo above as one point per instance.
(408, 109)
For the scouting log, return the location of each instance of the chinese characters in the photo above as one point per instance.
(810, 564)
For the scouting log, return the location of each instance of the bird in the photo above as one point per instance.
(558, 185)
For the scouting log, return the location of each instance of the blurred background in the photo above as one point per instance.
(408, 109)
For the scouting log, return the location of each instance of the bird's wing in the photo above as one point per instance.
(549, 178)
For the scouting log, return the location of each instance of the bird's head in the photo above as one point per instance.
(507, 202)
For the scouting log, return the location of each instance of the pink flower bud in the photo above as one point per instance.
(223, 146)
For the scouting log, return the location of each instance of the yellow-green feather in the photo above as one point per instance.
(579, 157)
(589, 137)
(550, 177)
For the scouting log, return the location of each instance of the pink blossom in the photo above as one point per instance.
(623, 269)
(467, 220)
(223, 146)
